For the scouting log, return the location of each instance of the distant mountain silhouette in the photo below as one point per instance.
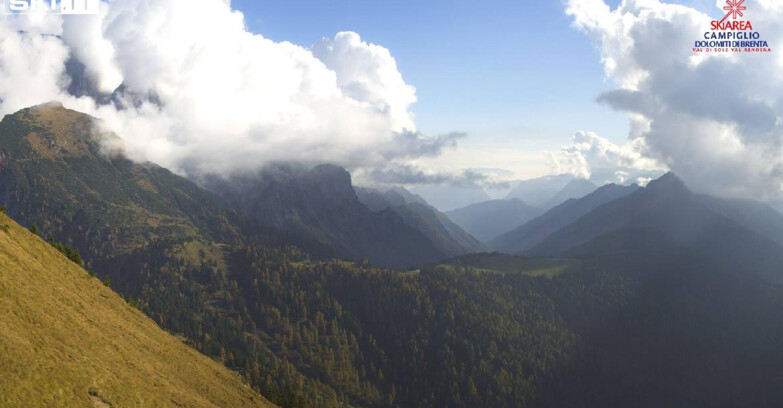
(576, 188)
(536, 230)
(446, 197)
(437, 227)
(492, 218)
(539, 191)
(687, 220)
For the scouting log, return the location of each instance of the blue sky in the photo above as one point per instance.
(514, 75)
(510, 73)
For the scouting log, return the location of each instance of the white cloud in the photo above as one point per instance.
(715, 119)
(588, 152)
(203, 94)
(368, 73)
(83, 36)
(31, 64)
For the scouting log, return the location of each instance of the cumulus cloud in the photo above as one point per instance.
(368, 73)
(201, 94)
(715, 119)
(31, 65)
(589, 152)
(83, 36)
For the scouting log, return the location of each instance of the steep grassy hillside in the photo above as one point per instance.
(66, 340)
(157, 238)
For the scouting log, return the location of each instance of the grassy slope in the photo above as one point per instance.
(64, 334)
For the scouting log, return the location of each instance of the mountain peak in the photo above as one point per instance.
(331, 172)
(669, 182)
(51, 105)
(613, 189)
(576, 188)
(579, 182)
(50, 130)
(49, 111)
(331, 179)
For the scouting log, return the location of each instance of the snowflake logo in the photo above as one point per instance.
(734, 9)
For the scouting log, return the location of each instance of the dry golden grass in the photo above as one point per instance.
(61, 125)
(68, 341)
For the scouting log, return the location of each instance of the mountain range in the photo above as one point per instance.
(576, 188)
(737, 229)
(540, 191)
(628, 296)
(489, 219)
(322, 203)
(316, 208)
(688, 220)
(244, 292)
(531, 233)
(549, 191)
(449, 237)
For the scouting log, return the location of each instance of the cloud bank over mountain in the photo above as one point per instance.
(200, 93)
(714, 119)
(588, 156)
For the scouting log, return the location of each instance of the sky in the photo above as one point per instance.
(513, 75)
(418, 93)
